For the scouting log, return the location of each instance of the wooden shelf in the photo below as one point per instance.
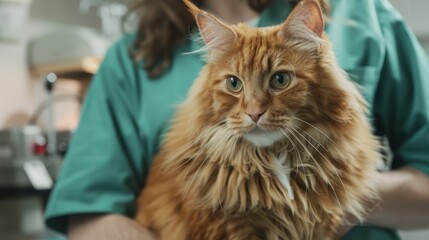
(85, 65)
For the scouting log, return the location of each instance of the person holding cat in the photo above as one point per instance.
(129, 105)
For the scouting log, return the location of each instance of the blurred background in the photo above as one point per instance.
(68, 38)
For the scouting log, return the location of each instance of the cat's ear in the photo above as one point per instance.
(305, 22)
(216, 35)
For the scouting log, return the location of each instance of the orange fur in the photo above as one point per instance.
(209, 182)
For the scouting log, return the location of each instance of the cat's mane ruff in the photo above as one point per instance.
(338, 182)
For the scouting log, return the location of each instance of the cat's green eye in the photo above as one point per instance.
(280, 80)
(233, 84)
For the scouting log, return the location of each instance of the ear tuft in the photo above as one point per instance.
(315, 21)
(306, 15)
(194, 10)
(216, 35)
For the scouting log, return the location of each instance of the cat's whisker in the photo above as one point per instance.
(323, 174)
(336, 145)
(292, 67)
(292, 131)
(306, 175)
(229, 61)
(319, 130)
(304, 168)
(300, 161)
(329, 162)
(315, 161)
(279, 61)
(313, 138)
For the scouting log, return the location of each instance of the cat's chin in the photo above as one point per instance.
(262, 138)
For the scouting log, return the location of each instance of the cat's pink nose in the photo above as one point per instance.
(255, 116)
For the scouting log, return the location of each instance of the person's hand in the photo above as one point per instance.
(106, 227)
(350, 220)
(402, 205)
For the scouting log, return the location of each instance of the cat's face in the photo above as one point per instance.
(268, 84)
(261, 85)
(262, 78)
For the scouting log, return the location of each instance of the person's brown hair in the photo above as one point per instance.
(163, 25)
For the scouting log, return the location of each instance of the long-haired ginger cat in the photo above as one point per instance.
(272, 142)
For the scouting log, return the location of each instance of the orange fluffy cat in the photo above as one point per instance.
(271, 143)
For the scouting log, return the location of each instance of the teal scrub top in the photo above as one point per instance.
(126, 113)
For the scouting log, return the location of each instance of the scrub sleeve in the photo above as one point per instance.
(99, 174)
(402, 103)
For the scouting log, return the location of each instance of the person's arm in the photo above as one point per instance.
(106, 226)
(105, 166)
(403, 203)
(404, 200)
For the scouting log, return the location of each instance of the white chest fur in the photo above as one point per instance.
(282, 171)
(262, 138)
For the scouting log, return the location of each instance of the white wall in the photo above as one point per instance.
(425, 43)
(63, 11)
(20, 93)
(415, 13)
